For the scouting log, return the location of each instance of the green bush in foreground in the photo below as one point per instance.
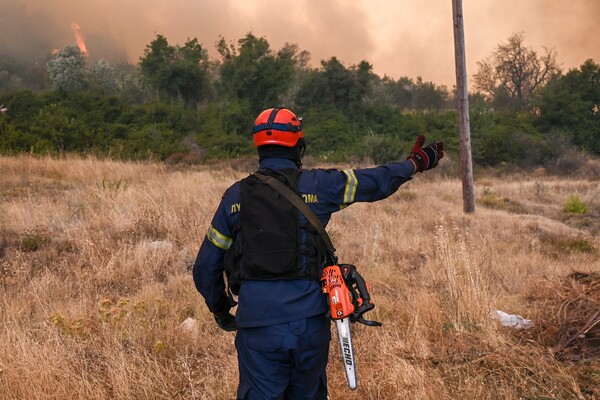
(574, 205)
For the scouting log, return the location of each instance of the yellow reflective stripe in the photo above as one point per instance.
(351, 185)
(218, 239)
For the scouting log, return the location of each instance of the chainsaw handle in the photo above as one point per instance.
(368, 322)
(359, 290)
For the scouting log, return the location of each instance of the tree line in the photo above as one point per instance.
(177, 100)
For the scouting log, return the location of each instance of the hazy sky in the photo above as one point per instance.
(399, 38)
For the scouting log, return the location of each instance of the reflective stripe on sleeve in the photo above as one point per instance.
(218, 239)
(351, 185)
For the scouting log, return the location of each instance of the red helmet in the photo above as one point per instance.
(278, 126)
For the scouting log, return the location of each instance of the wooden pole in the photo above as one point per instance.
(466, 163)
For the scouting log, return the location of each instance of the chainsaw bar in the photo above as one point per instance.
(347, 350)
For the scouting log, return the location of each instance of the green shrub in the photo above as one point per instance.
(575, 206)
(329, 133)
(382, 149)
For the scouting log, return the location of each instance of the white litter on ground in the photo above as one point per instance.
(512, 320)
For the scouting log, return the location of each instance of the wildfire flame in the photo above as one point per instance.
(80, 42)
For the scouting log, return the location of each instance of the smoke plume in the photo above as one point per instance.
(409, 38)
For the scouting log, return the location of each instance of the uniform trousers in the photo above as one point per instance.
(285, 361)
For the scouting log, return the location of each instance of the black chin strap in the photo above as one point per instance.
(302, 145)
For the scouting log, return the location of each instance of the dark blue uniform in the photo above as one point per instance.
(283, 335)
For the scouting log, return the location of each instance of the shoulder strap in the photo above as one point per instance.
(297, 201)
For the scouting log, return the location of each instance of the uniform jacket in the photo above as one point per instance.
(263, 303)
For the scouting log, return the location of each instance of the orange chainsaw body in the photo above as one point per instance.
(334, 286)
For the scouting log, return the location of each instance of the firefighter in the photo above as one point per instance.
(273, 258)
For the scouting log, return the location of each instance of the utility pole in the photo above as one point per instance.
(462, 97)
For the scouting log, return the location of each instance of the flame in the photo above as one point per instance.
(80, 42)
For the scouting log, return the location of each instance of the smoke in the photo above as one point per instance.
(29, 44)
(408, 38)
(30, 33)
(566, 26)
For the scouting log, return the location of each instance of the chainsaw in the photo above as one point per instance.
(348, 298)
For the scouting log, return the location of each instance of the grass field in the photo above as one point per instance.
(95, 283)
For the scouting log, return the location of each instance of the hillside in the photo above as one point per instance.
(95, 283)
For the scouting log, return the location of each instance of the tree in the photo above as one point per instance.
(68, 69)
(301, 61)
(179, 72)
(103, 75)
(131, 84)
(429, 96)
(334, 85)
(252, 72)
(408, 94)
(513, 72)
(571, 103)
(387, 91)
(19, 75)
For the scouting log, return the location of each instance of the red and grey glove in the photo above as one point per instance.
(426, 157)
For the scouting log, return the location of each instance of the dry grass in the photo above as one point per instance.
(95, 281)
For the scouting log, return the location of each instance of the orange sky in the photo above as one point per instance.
(400, 38)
